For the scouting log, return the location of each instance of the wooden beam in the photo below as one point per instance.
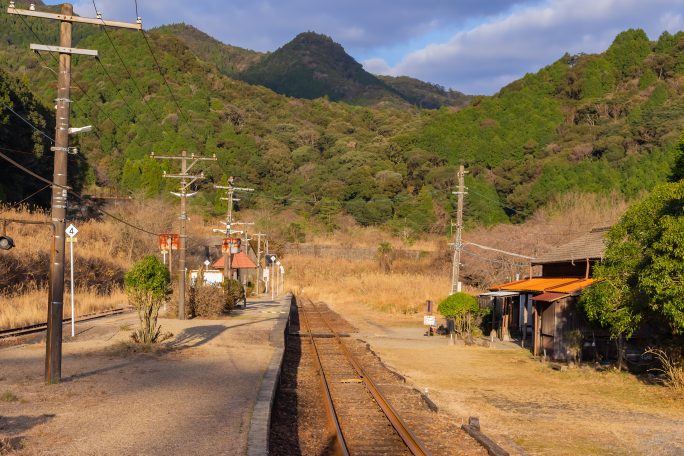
(71, 18)
(62, 50)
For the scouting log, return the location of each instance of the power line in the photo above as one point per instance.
(116, 51)
(76, 195)
(26, 121)
(161, 73)
(85, 93)
(491, 260)
(130, 109)
(31, 173)
(31, 196)
(484, 247)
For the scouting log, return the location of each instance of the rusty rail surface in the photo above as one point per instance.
(30, 329)
(333, 421)
(413, 444)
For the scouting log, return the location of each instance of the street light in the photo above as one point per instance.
(77, 130)
(6, 243)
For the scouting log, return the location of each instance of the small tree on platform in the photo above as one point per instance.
(147, 287)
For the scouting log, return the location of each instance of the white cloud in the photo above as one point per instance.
(485, 57)
(377, 66)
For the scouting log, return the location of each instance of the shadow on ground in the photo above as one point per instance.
(21, 423)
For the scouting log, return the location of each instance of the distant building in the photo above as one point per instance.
(544, 309)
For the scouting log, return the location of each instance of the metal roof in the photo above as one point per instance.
(591, 245)
(500, 294)
(550, 297)
(543, 284)
(238, 261)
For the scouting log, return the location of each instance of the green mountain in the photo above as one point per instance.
(313, 66)
(425, 94)
(230, 60)
(588, 123)
(592, 123)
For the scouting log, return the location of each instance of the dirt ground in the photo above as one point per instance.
(524, 405)
(194, 396)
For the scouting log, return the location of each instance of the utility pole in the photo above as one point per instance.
(458, 242)
(186, 180)
(230, 189)
(259, 236)
(53, 350)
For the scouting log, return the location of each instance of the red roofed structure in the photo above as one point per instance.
(238, 261)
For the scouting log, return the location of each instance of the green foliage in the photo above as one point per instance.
(148, 276)
(147, 287)
(579, 124)
(643, 269)
(677, 173)
(458, 304)
(463, 308)
(628, 51)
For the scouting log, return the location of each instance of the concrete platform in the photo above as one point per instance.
(195, 394)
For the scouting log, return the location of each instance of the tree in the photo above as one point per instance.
(385, 256)
(677, 173)
(147, 287)
(462, 308)
(642, 273)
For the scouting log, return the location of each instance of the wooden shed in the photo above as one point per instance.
(547, 310)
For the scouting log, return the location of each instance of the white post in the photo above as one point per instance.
(273, 283)
(73, 316)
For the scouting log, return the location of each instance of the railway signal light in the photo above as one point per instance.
(6, 243)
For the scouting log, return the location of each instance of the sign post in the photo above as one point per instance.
(72, 231)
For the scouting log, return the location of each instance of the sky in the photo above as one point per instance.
(473, 46)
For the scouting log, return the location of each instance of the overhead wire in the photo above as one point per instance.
(159, 68)
(26, 121)
(17, 204)
(76, 195)
(116, 51)
(491, 260)
(130, 109)
(80, 87)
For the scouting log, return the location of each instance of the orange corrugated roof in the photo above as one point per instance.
(536, 284)
(572, 287)
(239, 261)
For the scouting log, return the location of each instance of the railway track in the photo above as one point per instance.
(362, 420)
(30, 329)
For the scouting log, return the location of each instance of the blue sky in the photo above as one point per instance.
(475, 46)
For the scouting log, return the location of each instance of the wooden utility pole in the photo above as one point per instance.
(458, 242)
(53, 350)
(259, 236)
(186, 180)
(230, 189)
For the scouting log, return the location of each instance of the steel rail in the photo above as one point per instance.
(333, 420)
(30, 329)
(410, 439)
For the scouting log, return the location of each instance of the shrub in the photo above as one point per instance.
(233, 292)
(208, 301)
(147, 287)
(462, 308)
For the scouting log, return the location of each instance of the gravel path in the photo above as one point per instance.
(195, 396)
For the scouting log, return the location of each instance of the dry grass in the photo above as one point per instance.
(30, 308)
(362, 282)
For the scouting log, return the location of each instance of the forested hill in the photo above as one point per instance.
(230, 60)
(312, 66)
(593, 123)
